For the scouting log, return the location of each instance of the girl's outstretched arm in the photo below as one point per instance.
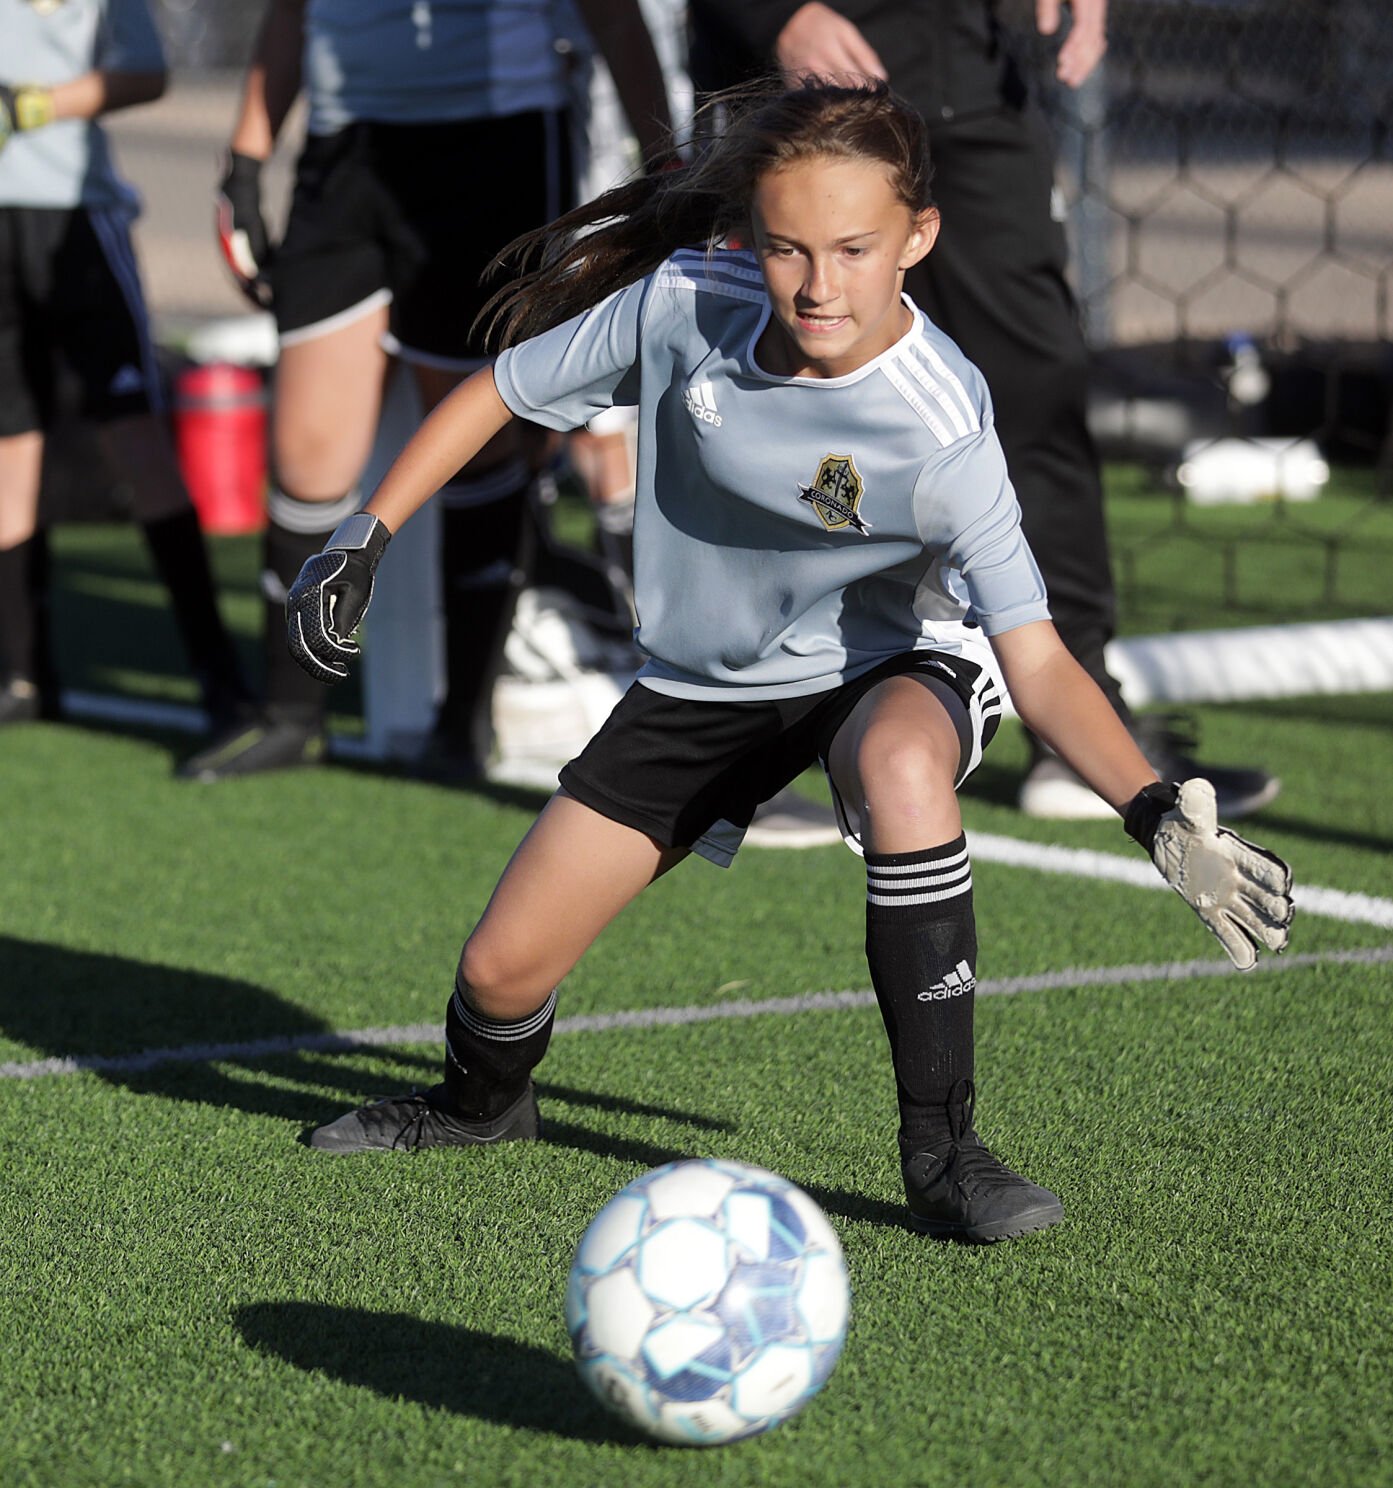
(334, 589)
(1058, 701)
(448, 440)
(1241, 892)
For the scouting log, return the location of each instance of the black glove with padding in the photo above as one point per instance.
(242, 232)
(329, 599)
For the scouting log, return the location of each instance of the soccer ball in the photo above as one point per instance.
(707, 1302)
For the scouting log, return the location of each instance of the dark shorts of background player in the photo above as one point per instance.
(691, 772)
(415, 213)
(73, 327)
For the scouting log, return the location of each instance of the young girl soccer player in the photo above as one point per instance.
(829, 558)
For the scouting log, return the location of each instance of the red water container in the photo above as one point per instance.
(220, 435)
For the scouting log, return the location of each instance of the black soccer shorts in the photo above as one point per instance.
(411, 215)
(73, 325)
(691, 772)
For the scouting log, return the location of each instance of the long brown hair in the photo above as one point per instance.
(739, 136)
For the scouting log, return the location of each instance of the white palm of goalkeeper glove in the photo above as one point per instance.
(329, 599)
(1240, 891)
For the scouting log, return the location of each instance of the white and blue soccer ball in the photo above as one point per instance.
(708, 1301)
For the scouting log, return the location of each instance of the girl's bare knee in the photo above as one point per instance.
(497, 984)
(906, 784)
(899, 766)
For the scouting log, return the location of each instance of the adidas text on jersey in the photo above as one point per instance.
(700, 402)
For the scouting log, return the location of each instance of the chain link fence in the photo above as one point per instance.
(1228, 175)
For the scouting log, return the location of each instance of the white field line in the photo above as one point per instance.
(1334, 904)
(670, 1017)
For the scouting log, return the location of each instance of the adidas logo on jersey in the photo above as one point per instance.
(958, 981)
(701, 404)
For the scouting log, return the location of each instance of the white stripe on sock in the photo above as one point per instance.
(498, 1032)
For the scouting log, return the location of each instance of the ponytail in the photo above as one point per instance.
(573, 263)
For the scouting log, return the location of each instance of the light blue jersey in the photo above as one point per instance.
(430, 61)
(68, 163)
(790, 532)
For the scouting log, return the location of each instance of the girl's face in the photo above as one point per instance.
(834, 241)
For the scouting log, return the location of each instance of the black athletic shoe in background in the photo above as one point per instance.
(1168, 741)
(406, 1123)
(962, 1192)
(253, 747)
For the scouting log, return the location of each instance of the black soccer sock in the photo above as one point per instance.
(921, 944)
(295, 531)
(19, 620)
(180, 555)
(488, 1061)
(484, 553)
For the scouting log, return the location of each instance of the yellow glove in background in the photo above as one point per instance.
(22, 108)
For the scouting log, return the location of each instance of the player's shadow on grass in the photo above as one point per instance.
(462, 1370)
(1274, 819)
(527, 798)
(119, 1018)
(191, 1035)
(859, 1207)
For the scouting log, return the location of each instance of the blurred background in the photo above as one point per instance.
(1227, 178)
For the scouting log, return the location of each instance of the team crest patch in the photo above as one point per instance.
(835, 494)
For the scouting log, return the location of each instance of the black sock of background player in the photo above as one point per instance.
(921, 945)
(487, 1060)
(23, 593)
(180, 556)
(483, 554)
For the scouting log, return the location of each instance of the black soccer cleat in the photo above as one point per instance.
(406, 1123)
(964, 1193)
(253, 747)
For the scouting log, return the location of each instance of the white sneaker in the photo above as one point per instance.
(791, 820)
(1053, 792)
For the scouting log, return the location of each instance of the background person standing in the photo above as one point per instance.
(996, 284)
(73, 327)
(436, 135)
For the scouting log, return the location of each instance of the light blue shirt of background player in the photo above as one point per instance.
(68, 162)
(428, 61)
(747, 585)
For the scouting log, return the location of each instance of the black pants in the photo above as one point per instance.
(995, 283)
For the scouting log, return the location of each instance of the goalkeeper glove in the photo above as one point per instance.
(331, 596)
(242, 229)
(1240, 891)
(22, 108)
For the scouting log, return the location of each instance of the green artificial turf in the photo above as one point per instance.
(194, 1297)
(1183, 567)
